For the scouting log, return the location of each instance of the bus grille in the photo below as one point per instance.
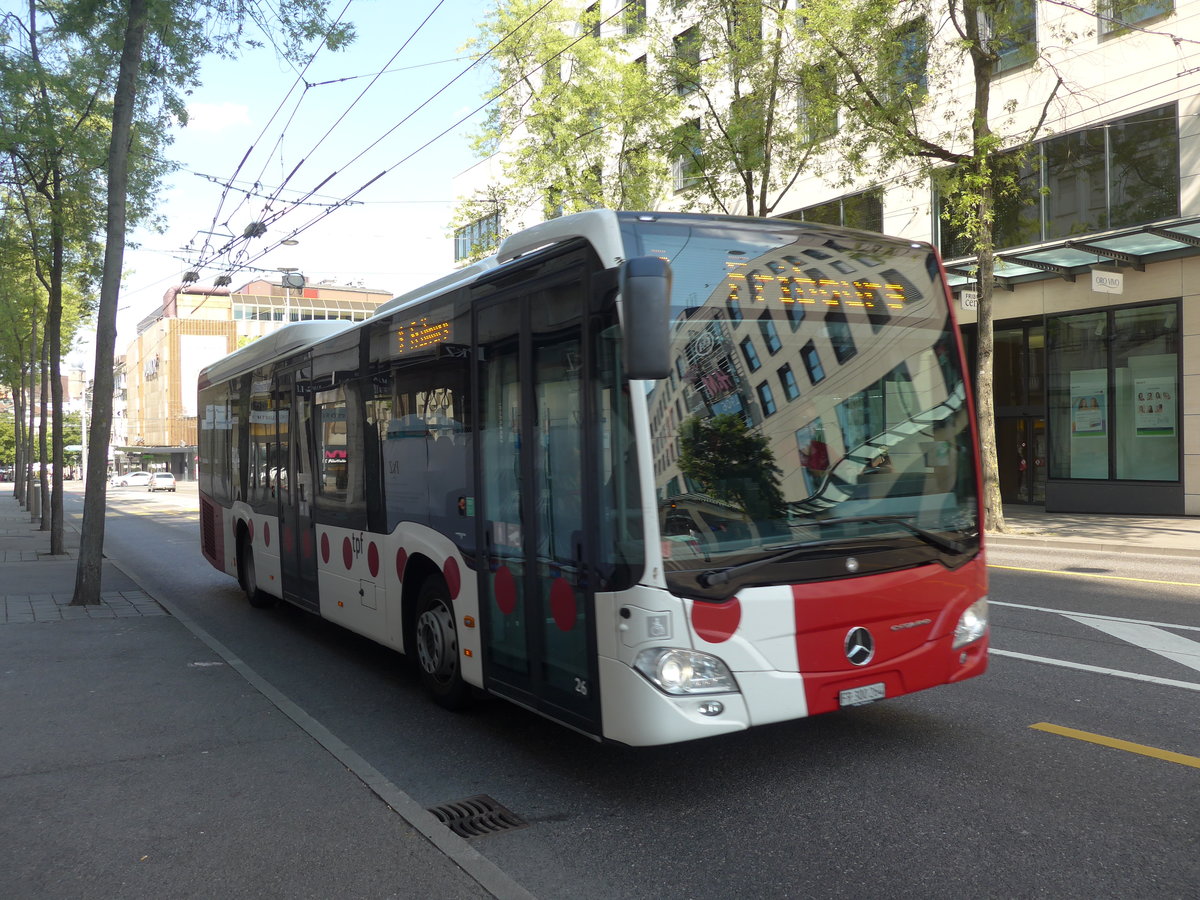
(208, 529)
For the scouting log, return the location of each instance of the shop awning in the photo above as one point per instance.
(1067, 258)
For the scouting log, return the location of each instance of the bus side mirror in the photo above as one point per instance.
(645, 285)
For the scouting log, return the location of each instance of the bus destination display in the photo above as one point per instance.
(421, 334)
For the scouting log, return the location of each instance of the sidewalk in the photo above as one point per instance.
(1160, 536)
(138, 762)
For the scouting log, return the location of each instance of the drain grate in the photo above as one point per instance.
(477, 816)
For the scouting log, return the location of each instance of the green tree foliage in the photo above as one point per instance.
(734, 70)
(582, 124)
(625, 115)
(732, 464)
(92, 86)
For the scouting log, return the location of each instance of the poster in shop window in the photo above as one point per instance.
(1154, 406)
(1089, 406)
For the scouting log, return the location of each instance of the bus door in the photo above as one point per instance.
(535, 515)
(297, 548)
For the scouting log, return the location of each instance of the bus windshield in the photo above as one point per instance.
(815, 421)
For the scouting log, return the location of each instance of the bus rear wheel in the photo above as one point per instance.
(249, 580)
(436, 640)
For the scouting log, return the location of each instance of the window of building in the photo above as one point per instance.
(770, 335)
(795, 314)
(1115, 15)
(734, 306)
(840, 338)
(863, 210)
(477, 238)
(746, 21)
(634, 17)
(787, 378)
(766, 398)
(1111, 175)
(688, 153)
(750, 354)
(686, 61)
(1143, 167)
(815, 117)
(746, 132)
(812, 362)
(1012, 27)
(907, 56)
(591, 20)
(1114, 394)
(1077, 199)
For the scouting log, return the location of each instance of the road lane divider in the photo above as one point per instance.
(1117, 744)
(1100, 670)
(1068, 613)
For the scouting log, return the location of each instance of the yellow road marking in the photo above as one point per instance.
(1117, 744)
(1095, 575)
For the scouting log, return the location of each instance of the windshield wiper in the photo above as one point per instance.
(929, 537)
(710, 579)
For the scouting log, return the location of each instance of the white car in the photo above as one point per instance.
(136, 479)
(162, 481)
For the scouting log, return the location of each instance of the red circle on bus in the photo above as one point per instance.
(347, 552)
(453, 578)
(716, 622)
(373, 559)
(325, 548)
(401, 562)
(267, 533)
(504, 586)
(562, 604)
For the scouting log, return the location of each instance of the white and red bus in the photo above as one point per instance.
(654, 476)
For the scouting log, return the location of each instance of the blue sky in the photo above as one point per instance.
(395, 238)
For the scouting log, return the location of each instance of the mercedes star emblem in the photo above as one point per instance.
(860, 646)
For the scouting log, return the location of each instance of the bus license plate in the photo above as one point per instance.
(868, 693)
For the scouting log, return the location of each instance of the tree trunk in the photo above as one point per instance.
(983, 150)
(31, 405)
(43, 455)
(91, 548)
(54, 352)
(19, 427)
(985, 406)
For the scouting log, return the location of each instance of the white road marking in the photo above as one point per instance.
(1133, 676)
(1068, 613)
(1175, 648)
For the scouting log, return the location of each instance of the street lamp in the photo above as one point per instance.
(291, 279)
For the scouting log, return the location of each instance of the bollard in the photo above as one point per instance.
(35, 504)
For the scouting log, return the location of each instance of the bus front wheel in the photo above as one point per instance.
(437, 646)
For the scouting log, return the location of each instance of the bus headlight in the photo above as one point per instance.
(972, 624)
(685, 671)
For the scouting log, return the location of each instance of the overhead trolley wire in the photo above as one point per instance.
(349, 197)
(299, 80)
(272, 217)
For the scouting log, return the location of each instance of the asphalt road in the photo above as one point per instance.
(1069, 770)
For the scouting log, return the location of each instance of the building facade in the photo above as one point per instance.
(1097, 300)
(193, 328)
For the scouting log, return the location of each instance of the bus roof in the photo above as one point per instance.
(287, 339)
